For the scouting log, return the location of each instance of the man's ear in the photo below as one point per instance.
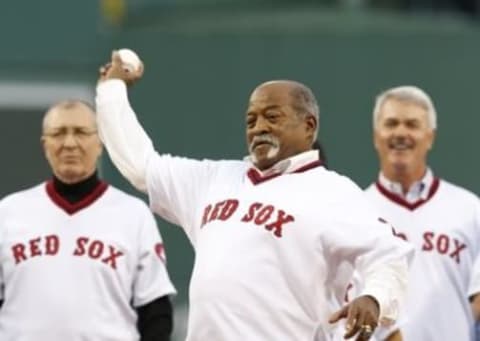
(311, 126)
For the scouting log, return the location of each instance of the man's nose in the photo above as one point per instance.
(261, 127)
(70, 140)
(400, 130)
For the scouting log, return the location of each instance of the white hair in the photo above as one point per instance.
(407, 93)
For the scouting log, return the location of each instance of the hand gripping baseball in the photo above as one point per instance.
(116, 69)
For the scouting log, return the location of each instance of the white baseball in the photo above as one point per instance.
(130, 59)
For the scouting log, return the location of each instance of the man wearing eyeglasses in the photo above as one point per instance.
(79, 259)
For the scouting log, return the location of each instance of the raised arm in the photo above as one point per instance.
(126, 141)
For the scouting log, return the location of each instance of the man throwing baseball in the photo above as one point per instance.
(276, 236)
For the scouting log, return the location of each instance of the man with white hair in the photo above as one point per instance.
(440, 219)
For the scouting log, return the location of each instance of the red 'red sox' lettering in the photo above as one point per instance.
(261, 213)
(50, 245)
(39, 246)
(221, 210)
(96, 249)
(443, 244)
(271, 218)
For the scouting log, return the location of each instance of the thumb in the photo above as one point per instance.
(342, 313)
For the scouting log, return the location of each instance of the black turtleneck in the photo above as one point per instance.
(155, 321)
(73, 193)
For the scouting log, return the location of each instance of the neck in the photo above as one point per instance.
(404, 177)
(77, 191)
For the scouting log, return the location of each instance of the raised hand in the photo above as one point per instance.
(116, 70)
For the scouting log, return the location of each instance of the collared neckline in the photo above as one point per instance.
(86, 200)
(420, 192)
(295, 164)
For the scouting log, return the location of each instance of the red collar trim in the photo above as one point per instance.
(402, 202)
(74, 208)
(256, 178)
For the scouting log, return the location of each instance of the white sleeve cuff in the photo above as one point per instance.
(391, 297)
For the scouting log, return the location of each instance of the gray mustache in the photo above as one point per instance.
(263, 139)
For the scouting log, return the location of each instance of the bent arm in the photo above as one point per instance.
(393, 271)
(126, 141)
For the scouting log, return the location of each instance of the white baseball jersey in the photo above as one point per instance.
(269, 249)
(444, 226)
(73, 271)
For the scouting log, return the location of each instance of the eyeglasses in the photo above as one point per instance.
(78, 134)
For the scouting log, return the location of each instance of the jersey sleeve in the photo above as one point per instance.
(176, 185)
(361, 237)
(382, 331)
(474, 285)
(151, 277)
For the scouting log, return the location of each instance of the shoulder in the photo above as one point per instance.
(120, 198)
(457, 191)
(372, 190)
(23, 195)
(336, 186)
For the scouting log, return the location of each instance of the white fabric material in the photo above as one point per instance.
(131, 148)
(61, 282)
(445, 231)
(272, 259)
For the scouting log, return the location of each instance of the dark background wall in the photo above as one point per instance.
(203, 62)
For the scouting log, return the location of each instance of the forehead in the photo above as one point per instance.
(270, 95)
(73, 116)
(394, 108)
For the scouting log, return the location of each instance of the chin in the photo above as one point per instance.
(71, 176)
(264, 164)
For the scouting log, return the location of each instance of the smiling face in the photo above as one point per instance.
(70, 141)
(403, 136)
(275, 129)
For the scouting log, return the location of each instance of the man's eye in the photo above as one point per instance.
(271, 116)
(58, 133)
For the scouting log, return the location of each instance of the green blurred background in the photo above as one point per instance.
(203, 58)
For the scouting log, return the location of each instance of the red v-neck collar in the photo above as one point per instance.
(74, 208)
(256, 178)
(402, 202)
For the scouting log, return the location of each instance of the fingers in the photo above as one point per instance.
(365, 333)
(354, 321)
(361, 319)
(340, 314)
(116, 70)
(104, 68)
